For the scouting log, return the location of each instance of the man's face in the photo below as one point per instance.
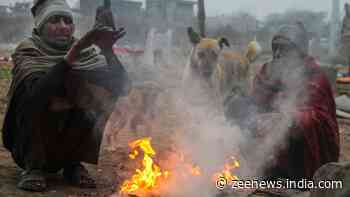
(283, 48)
(58, 31)
(287, 60)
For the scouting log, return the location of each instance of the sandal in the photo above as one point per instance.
(78, 175)
(33, 180)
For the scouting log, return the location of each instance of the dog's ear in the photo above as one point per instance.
(193, 36)
(223, 42)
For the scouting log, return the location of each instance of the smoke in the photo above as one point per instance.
(291, 72)
(208, 139)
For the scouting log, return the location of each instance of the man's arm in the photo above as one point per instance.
(118, 70)
(112, 60)
(40, 87)
(105, 20)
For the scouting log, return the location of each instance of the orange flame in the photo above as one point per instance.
(147, 179)
(151, 179)
(227, 171)
(195, 170)
(133, 154)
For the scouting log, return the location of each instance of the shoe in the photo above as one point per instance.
(33, 180)
(77, 175)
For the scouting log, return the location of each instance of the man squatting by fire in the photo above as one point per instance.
(291, 95)
(53, 118)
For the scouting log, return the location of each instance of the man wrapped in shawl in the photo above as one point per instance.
(60, 97)
(296, 109)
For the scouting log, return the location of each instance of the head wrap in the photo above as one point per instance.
(42, 10)
(296, 34)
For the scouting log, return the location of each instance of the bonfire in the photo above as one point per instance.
(144, 180)
(226, 173)
(151, 178)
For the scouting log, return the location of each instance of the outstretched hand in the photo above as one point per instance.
(104, 37)
(107, 37)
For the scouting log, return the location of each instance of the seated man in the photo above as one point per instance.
(53, 120)
(295, 109)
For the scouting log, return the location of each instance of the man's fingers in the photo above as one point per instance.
(88, 38)
(100, 27)
(98, 32)
(104, 36)
(119, 35)
(105, 32)
(121, 29)
(105, 29)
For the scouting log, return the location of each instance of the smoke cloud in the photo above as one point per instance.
(207, 138)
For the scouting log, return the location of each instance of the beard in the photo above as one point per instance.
(290, 71)
(285, 68)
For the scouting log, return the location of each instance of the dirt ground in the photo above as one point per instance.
(110, 172)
